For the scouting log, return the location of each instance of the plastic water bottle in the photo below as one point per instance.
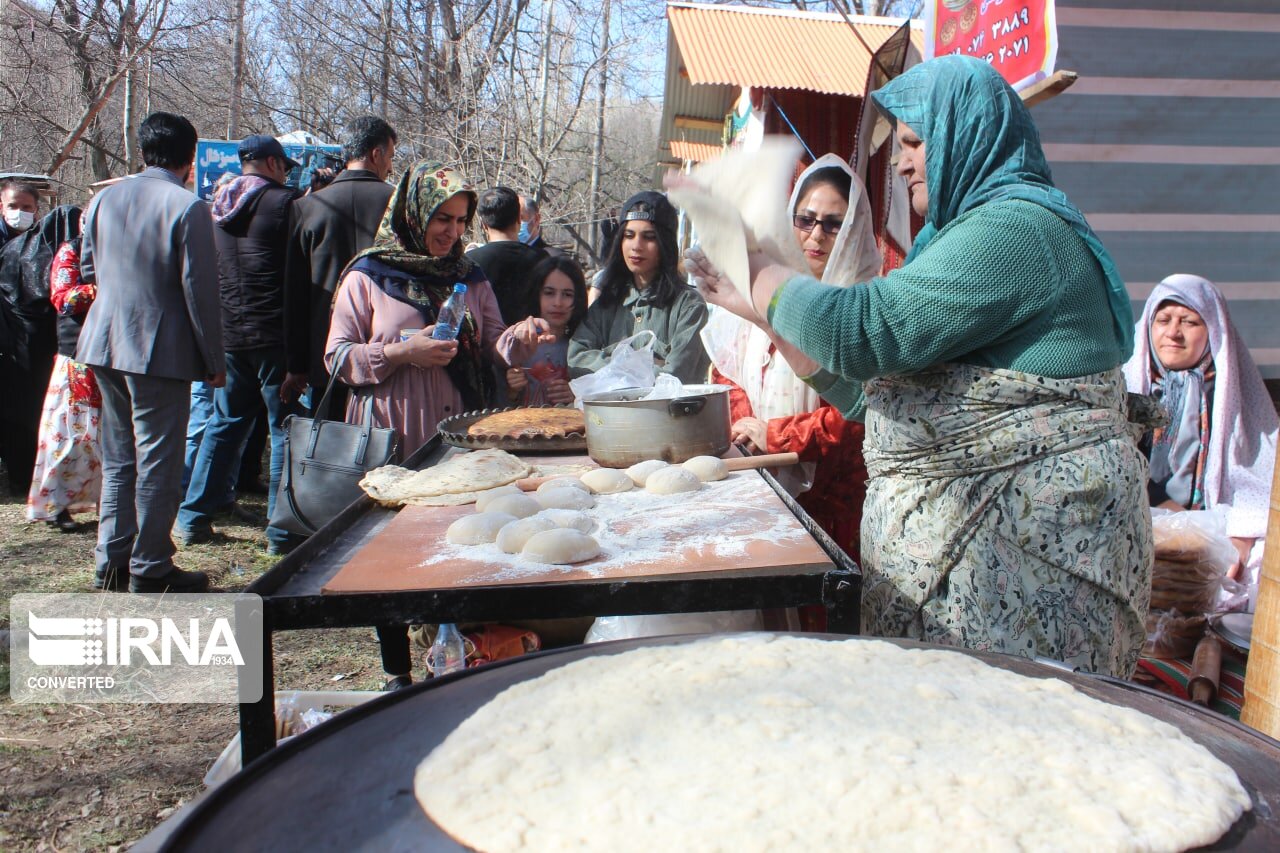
(451, 313)
(447, 653)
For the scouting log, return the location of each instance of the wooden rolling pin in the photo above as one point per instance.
(736, 463)
(1206, 671)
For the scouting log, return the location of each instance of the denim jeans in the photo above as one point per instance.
(252, 375)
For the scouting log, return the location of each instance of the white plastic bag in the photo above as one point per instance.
(607, 628)
(630, 366)
(666, 387)
(1192, 557)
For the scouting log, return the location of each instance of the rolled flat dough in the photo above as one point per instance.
(744, 207)
(773, 743)
(461, 473)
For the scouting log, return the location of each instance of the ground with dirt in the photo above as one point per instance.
(79, 777)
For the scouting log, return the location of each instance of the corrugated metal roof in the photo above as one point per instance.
(698, 152)
(773, 49)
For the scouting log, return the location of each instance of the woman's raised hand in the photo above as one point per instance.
(715, 287)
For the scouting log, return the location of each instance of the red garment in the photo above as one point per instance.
(66, 291)
(835, 446)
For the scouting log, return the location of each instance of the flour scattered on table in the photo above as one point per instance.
(635, 528)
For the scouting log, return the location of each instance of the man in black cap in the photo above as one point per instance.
(251, 229)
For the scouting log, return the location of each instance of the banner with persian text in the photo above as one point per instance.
(1018, 37)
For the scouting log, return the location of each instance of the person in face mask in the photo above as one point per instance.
(530, 232)
(19, 203)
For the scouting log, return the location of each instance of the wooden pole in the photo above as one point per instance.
(1262, 677)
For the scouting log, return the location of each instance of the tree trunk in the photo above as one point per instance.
(237, 73)
(542, 86)
(597, 150)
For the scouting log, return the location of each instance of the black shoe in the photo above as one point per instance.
(115, 580)
(198, 536)
(253, 486)
(64, 522)
(398, 683)
(243, 515)
(176, 581)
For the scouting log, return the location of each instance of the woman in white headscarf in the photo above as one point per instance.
(1219, 449)
(773, 410)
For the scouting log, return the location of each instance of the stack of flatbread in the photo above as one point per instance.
(453, 482)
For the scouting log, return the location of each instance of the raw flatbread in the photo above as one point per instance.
(744, 207)
(462, 472)
(607, 481)
(478, 529)
(640, 471)
(763, 742)
(561, 546)
(708, 469)
(672, 480)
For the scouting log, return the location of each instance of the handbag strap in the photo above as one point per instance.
(344, 350)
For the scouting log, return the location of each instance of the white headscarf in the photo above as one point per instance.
(1243, 425)
(743, 353)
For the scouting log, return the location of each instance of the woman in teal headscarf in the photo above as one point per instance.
(1006, 507)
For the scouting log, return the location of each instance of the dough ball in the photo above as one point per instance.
(477, 529)
(563, 483)
(639, 472)
(489, 495)
(708, 469)
(519, 505)
(579, 521)
(607, 481)
(672, 480)
(560, 547)
(565, 499)
(512, 537)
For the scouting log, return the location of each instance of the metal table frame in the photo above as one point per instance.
(292, 598)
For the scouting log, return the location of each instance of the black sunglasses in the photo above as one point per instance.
(806, 223)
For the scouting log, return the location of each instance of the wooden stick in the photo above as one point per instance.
(1262, 677)
(736, 463)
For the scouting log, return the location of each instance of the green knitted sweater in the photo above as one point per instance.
(1006, 285)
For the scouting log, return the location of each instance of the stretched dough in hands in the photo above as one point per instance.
(744, 208)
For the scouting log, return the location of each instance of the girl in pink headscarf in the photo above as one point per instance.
(1219, 449)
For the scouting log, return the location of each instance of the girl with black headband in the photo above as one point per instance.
(642, 288)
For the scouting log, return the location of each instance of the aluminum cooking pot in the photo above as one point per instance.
(623, 429)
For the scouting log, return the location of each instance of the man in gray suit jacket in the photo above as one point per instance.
(153, 329)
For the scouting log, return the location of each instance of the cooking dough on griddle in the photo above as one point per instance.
(479, 528)
(640, 471)
(511, 538)
(521, 505)
(579, 521)
(607, 481)
(565, 499)
(708, 469)
(560, 546)
(488, 496)
(672, 480)
(870, 747)
(563, 483)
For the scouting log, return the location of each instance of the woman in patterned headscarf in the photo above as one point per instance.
(1006, 509)
(399, 284)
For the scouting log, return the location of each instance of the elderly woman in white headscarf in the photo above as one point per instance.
(1219, 449)
(773, 410)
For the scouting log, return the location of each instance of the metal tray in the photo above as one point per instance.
(348, 783)
(453, 430)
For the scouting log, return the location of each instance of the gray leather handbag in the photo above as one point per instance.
(324, 462)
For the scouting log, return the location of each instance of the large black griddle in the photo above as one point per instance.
(348, 784)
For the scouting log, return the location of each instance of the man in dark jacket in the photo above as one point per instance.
(251, 228)
(327, 229)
